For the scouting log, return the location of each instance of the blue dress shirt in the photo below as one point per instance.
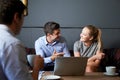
(46, 50)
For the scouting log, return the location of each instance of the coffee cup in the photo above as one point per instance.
(110, 70)
(30, 59)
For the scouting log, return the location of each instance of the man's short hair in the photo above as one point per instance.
(8, 8)
(49, 27)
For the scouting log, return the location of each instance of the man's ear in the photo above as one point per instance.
(16, 18)
(48, 34)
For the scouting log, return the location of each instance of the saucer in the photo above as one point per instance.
(105, 73)
(52, 77)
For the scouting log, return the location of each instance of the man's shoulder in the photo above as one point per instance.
(41, 41)
(9, 40)
(41, 38)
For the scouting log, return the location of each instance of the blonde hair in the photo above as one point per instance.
(96, 33)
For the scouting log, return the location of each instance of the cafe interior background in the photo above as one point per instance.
(72, 15)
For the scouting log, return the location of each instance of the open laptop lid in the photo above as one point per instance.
(70, 66)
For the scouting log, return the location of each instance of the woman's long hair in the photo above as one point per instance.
(96, 33)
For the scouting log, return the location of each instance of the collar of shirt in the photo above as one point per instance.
(49, 43)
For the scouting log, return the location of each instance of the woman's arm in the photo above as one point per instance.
(100, 55)
(76, 54)
(95, 60)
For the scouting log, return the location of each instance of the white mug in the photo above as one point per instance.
(111, 70)
(30, 59)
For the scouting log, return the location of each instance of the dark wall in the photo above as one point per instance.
(72, 16)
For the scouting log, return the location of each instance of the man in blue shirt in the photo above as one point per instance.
(52, 45)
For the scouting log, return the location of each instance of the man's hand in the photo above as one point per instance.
(38, 64)
(55, 55)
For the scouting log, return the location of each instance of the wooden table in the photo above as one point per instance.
(87, 76)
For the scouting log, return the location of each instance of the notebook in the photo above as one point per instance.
(70, 66)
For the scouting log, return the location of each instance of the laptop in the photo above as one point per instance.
(70, 66)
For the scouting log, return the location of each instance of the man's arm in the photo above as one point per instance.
(66, 51)
(15, 63)
(39, 51)
(55, 55)
(38, 64)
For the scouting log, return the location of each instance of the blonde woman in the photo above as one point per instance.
(90, 45)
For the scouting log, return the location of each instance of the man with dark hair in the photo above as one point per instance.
(13, 62)
(52, 45)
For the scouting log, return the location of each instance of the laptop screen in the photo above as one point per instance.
(70, 66)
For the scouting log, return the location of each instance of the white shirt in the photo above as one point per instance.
(13, 61)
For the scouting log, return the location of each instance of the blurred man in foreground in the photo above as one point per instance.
(13, 62)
